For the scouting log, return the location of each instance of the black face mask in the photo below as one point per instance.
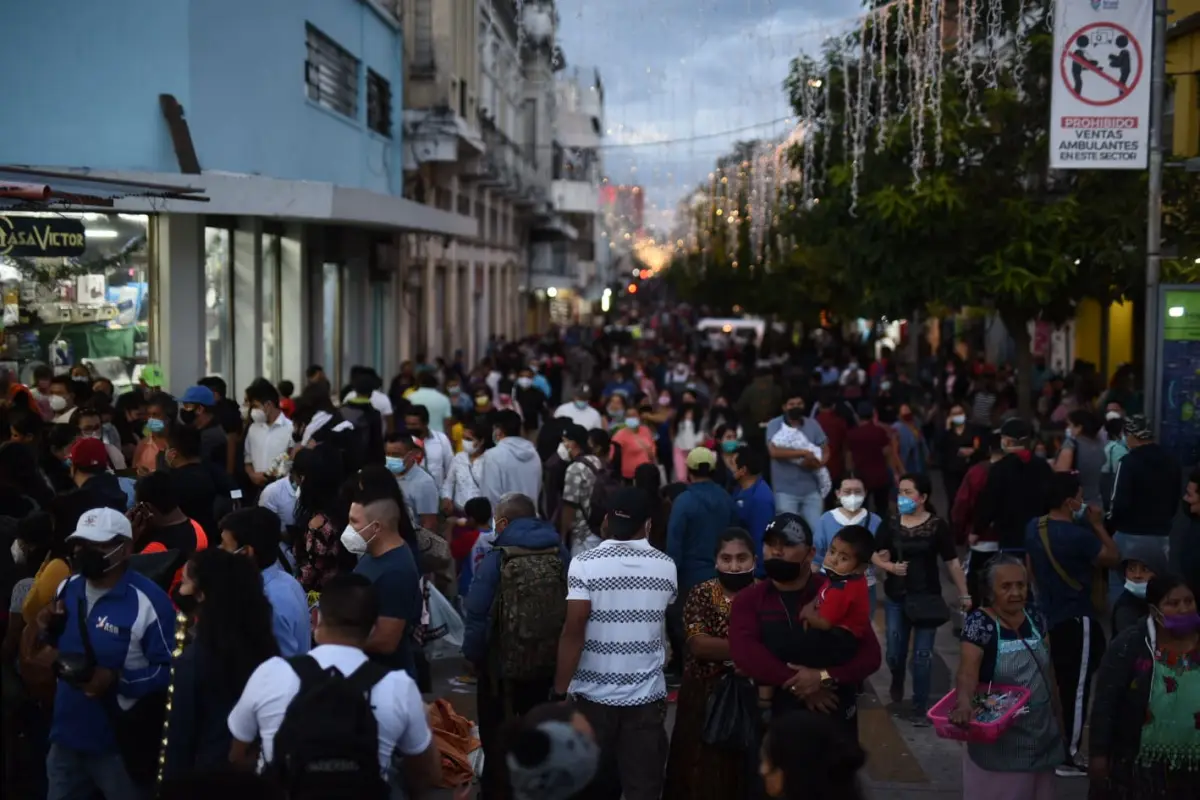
(735, 581)
(795, 414)
(187, 603)
(187, 416)
(783, 571)
(92, 564)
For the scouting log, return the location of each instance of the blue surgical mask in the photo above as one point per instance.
(633, 423)
(1080, 514)
(906, 505)
(730, 446)
(1136, 589)
(155, 425)
(581, 404)
(396, 466)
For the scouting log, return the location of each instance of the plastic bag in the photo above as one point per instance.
(731, 716)
(443, 633)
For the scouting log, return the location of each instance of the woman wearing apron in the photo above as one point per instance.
(1003, 644)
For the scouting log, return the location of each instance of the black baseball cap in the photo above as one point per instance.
(576, 433)
(628, 511)
(1016, 429)
(790, 528)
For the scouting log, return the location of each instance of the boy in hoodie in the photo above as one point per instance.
(513, 464)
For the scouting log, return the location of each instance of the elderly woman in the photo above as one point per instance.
(1144, 739)
(1003, 644)
(696, 771)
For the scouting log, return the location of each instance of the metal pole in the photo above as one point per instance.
(1158, 76)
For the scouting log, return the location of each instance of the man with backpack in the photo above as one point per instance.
(365, 445)
(589, 481)
(331, 722)
(514, 615)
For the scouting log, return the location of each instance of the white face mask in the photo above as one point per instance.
(959, 419)
(258, 415)
(58, 402)
(469, 446)
(18, 555)
(354, 542)
(524, 383)
(851, 502)
(563, 452)
(633, 423)
(1111, 415)
(294, 488)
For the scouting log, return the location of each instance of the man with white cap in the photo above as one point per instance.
(113, 631)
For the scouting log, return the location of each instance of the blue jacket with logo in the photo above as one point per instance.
(132, 630)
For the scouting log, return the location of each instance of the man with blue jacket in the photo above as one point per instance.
(501, 697)
(114, 630)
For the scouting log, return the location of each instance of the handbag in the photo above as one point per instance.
(922, 609)
(731, 715)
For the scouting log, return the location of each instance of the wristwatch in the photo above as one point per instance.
(827, 680)
(559, 697)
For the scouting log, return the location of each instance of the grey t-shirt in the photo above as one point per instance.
(789, 478)
(420, 493)
(1089, 459)
(93, 595)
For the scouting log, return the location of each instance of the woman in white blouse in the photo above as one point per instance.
(462, 479)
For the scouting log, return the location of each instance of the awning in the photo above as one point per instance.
(25, 188)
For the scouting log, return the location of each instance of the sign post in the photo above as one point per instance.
(1100, 96)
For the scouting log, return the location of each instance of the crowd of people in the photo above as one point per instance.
(211, 596)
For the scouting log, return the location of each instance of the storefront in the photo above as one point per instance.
(76, 289)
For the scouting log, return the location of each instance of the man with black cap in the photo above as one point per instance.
(770, 644)
(617, 598)
(580, 410)
(1015, 491)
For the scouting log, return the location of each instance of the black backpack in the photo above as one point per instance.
(328, 743)
(606, 483)
(364, 444)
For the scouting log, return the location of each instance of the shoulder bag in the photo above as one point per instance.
(1099, 595)
(923, 609)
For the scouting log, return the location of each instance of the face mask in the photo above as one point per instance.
(851, 502)
(1181, 624)
(1136, 589)
(633, 423)
(735, 581)
(783, 571)
(353, 541)
(92, 564)
(481, 402)
(469, 446)
(396, 466)
(959, 419)
(730, 446)
(1111, 415)
(837, 576)
(563, 452)
(581, 404)
(90, 435)
(187, 416)
(853, 365)
(906, 505)
(155, 425)
(257, 415)
(1040, 454)
(294, 488)
(505, 400)
(1080, 514)
(454, 391)
(664, 399)
(524, 383)
(18, 555)
(58, 403)
(885, 386)
(186, 603)
(795, 414)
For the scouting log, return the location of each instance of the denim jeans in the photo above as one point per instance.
(899, 632)
(809, 506)
(1116, 577)
(73, 775)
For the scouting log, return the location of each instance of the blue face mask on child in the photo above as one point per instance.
(155, 425)
(1136, 589)
(906, 505)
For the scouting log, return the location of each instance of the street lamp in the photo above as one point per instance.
(552, 292)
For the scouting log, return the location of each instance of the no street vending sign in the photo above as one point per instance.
(1100, 100)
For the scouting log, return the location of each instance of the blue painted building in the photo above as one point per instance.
(294, 111)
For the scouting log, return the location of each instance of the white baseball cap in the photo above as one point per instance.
(102, 525)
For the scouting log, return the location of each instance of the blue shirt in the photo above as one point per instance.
(1075, 548)
(755, 510)
(698, 518)
(289, 612)
(397, 583)
(789, 478)
(132, 630)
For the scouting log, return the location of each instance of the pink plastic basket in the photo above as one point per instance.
(979, 732)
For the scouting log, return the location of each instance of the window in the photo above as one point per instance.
(218, 324)
(379, 104)
(331, 74)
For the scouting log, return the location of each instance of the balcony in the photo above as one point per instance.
(553, 264)
(504, 167)
(575, 197)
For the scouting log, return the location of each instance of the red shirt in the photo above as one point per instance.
(844, 604)
(835, 427)
(867, 444)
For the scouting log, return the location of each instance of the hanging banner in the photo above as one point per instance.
(1100, 79)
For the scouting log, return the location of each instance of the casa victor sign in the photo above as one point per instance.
(41, 237)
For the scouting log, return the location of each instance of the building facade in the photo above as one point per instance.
(288, 116)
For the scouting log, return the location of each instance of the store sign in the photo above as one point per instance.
(41, 237)
(1100, 84)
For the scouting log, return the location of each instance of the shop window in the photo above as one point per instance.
(218, 293)
(75, 290)
(331, 74)
(270, 307)
(379, 104)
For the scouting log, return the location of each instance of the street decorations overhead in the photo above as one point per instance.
(1100, 95)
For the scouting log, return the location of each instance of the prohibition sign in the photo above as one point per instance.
(1069, 58)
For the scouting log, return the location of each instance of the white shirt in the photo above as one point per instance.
(65, 417)
(436, 403)
(396, 701)
(280, 497)
(462, 479)
(379, 401)
(266, 441)
(438, 454)
(587, 416)
(629, 585)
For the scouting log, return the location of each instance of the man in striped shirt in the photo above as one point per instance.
(612, 650)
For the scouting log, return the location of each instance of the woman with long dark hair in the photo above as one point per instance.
(808, 756)
(466, 468)
(322, 513)
(231, 637)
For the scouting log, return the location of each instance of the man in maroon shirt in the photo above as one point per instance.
(870, 452)
(808, 668)
(835, 427)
